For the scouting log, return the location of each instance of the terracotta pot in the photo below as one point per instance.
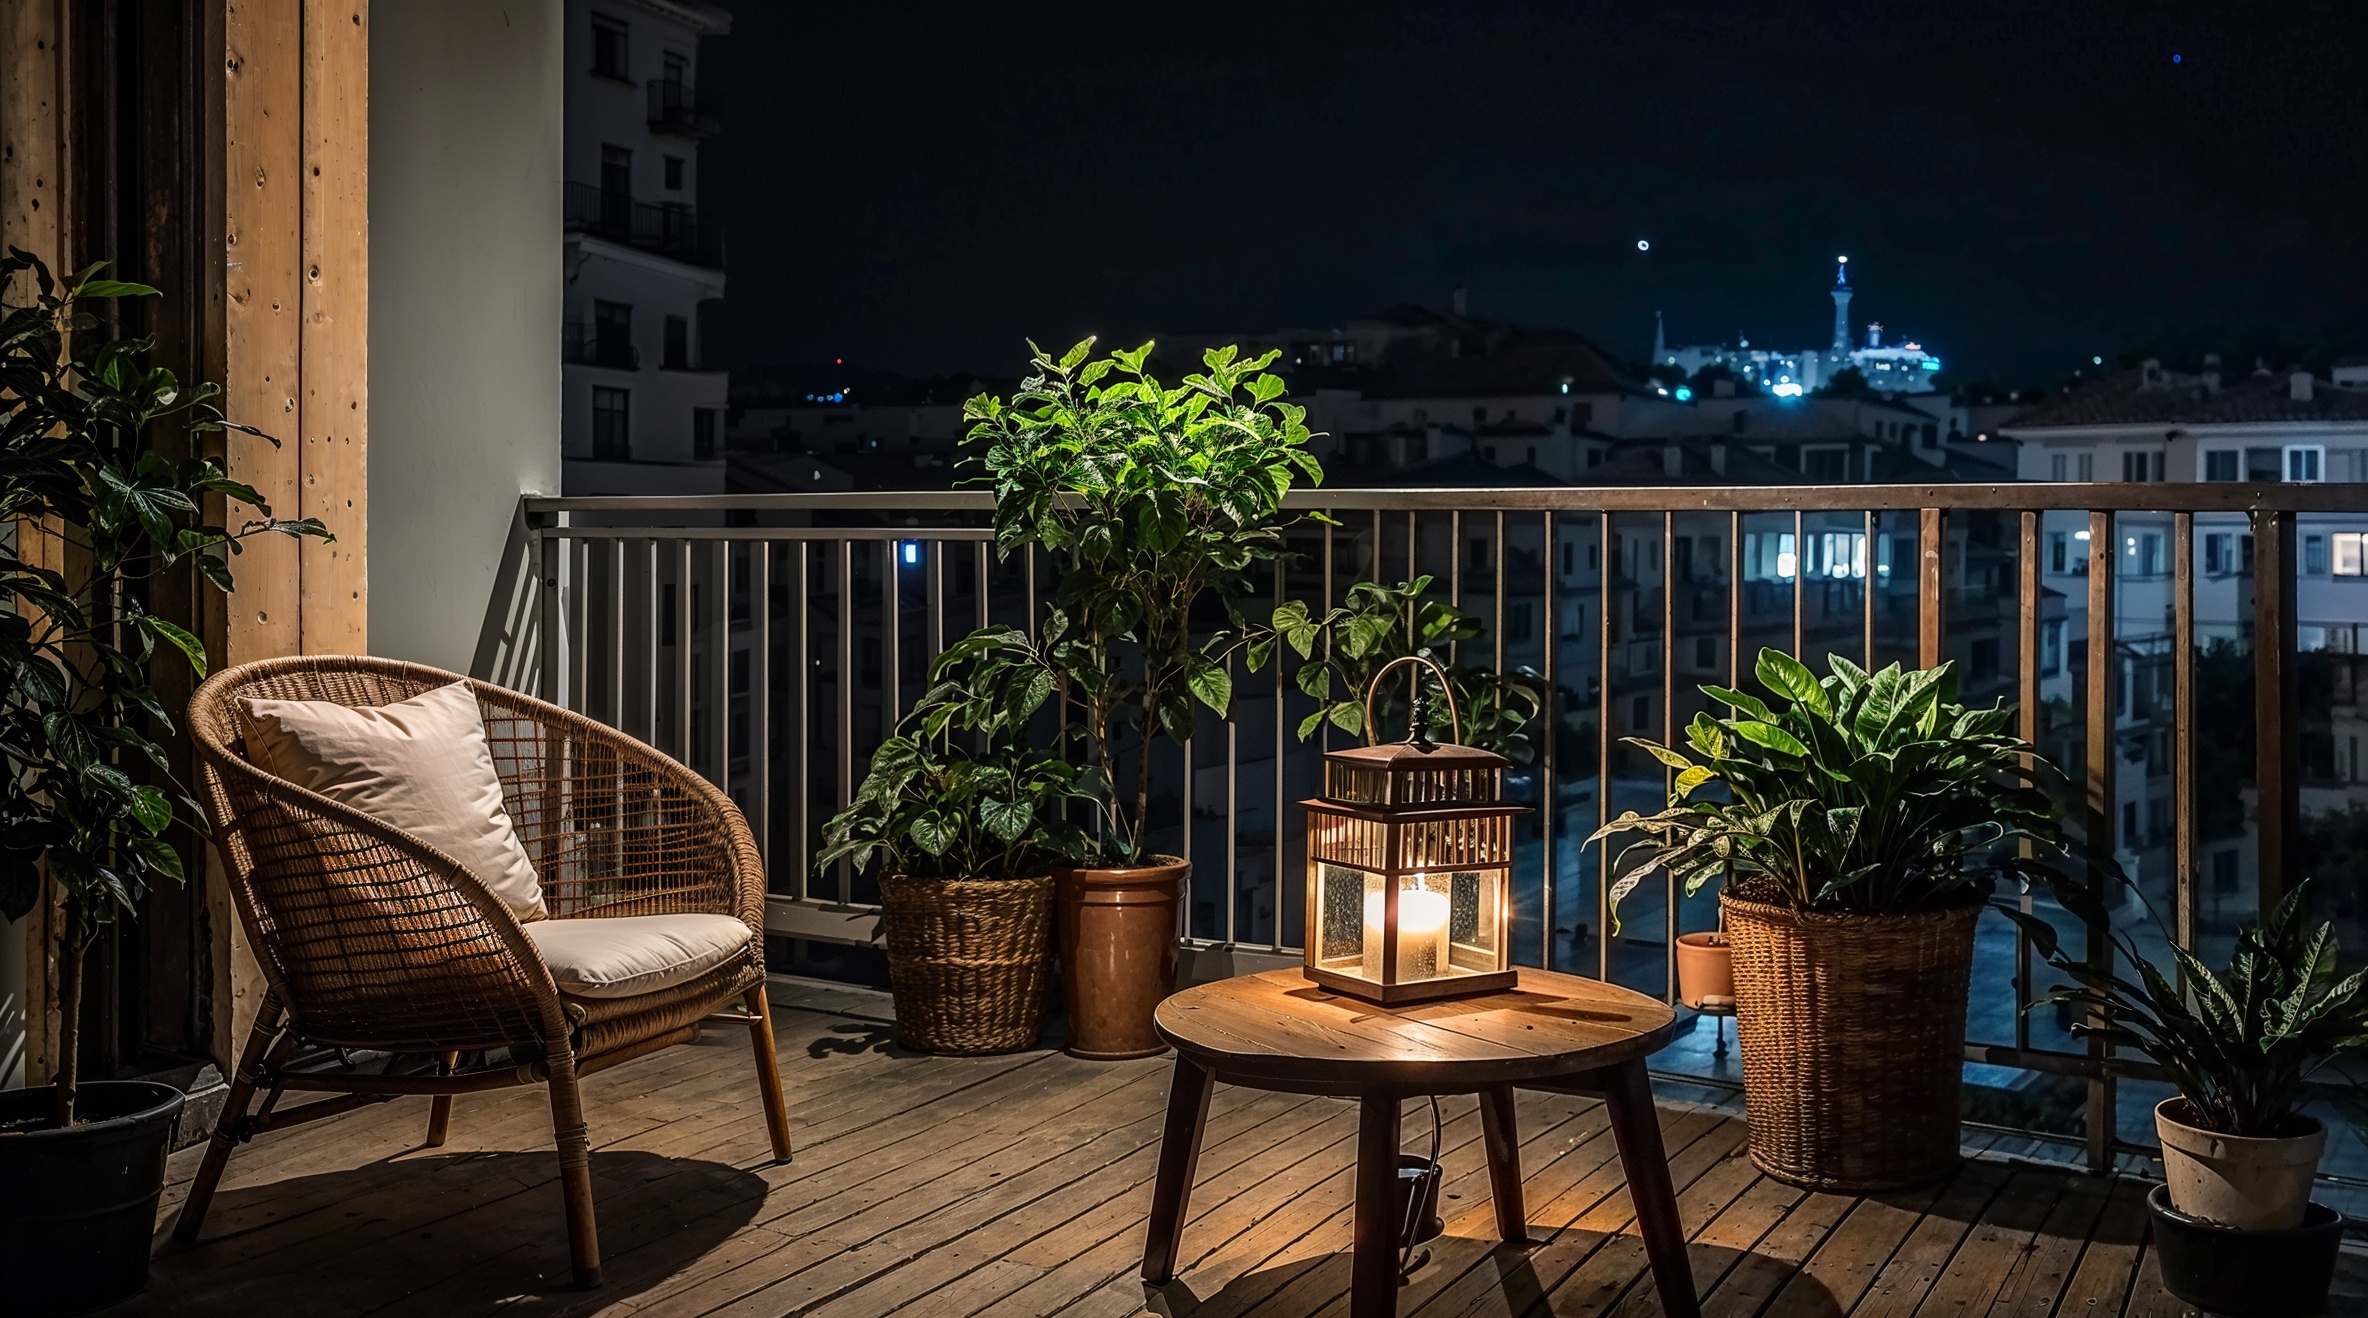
(1118, 954)
(2237, 1181)
(1705, 971)
(1852, 1029)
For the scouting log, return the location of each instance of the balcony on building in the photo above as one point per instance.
(681, 110)
(670, 229)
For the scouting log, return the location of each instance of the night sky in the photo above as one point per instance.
(918, 188)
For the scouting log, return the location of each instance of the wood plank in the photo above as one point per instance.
(2100, 1283)
(333, 409)
(947, 1187)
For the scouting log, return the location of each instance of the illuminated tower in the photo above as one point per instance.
(1841, 305)
(1660, 341)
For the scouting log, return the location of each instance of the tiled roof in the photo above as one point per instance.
(2118, 401)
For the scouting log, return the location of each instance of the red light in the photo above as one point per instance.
(838, 361)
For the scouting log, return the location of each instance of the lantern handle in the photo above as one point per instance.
(1418, 729)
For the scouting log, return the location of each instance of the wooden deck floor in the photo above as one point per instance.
(1018, 1185)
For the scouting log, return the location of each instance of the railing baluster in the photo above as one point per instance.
(1866, 589)
(891, 634)
(1603, 727)
(719, 667)
(760, 688)
(616, 668)
(1931, 615)
(846, 700)
(801, 684)
(579, 627)
(656, 604)
(1549, 586)
(2277, 760)
(683, 670)
(1669, 730)
(2027, 713)
(2101, 835)
(2183, 725)
(1800, 594)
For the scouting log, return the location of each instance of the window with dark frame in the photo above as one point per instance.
(612, 428)
(608, 47)
(674, 173)
(702, 433)
(678, 343)
(2220, 464)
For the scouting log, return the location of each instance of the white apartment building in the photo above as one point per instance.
(640, 414)
(2156, 425)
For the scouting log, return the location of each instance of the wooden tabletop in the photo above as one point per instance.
(1281, 1026)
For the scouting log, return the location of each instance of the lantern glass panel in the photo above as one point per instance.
(1340, 924)
(1474, 911)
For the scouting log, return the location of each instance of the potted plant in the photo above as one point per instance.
(1152, 500)
(966, 822)
(1858, 822)
(2234, 1221)
(1376, 625)
(87, 806)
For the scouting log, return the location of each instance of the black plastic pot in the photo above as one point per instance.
(77, 1206)
(2246, 1274)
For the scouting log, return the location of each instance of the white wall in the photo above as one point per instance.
(466, 144)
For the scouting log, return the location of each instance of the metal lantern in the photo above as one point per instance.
(1409, 863)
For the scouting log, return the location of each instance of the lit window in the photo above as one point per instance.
(2348, 553)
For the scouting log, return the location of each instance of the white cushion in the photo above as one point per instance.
(628, 955)
(421, 765)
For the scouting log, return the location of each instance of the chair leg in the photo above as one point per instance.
(575, 1170)
(768, 1070)
(260, 1044)
(440, 1108)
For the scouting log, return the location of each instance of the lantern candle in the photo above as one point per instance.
(1422, 934)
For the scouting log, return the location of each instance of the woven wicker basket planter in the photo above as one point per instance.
(967, 961)
(1852, 1030)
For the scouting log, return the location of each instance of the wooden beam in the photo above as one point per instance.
(334, 405)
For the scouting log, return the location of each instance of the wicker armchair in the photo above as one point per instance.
(371, 939)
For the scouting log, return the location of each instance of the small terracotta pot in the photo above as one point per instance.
(2237, 1181)
(1118, 954)
(1705, 971)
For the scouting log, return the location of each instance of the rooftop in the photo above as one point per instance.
(2123, 399)
(1018, 1185)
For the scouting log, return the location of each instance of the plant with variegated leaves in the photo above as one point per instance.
(1867, 793)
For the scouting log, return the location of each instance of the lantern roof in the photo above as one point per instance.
(1408, 757)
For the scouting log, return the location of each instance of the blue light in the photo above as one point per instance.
(912, 553)
(1684, 395)
(1930, 363)
(1787, 390)
(2175, 59)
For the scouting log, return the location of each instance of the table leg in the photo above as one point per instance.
(1628, 1094)
(1373, 1270)
(1503, 1137)
(1179, 1153)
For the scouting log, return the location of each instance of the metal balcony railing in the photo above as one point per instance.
(1624, 600)
(668, 229)
(588, 343)
(680, 109)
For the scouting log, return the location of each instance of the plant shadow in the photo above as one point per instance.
(447, 1234)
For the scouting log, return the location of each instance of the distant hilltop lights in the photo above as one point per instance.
(1899, 368)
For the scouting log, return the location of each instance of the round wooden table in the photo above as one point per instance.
(1279, 1030)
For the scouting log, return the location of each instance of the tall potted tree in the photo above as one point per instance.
(1152, 500)
(1859, 823)
(88, 809)
(965, 820)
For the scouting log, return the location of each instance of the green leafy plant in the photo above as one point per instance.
(81, 811)
(958, 793)
(1151, 499)
(2239, 1042)
(1344, 647)
(1866, 793)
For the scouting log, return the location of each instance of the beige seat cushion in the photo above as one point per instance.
(421, 765)
(628, 955)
